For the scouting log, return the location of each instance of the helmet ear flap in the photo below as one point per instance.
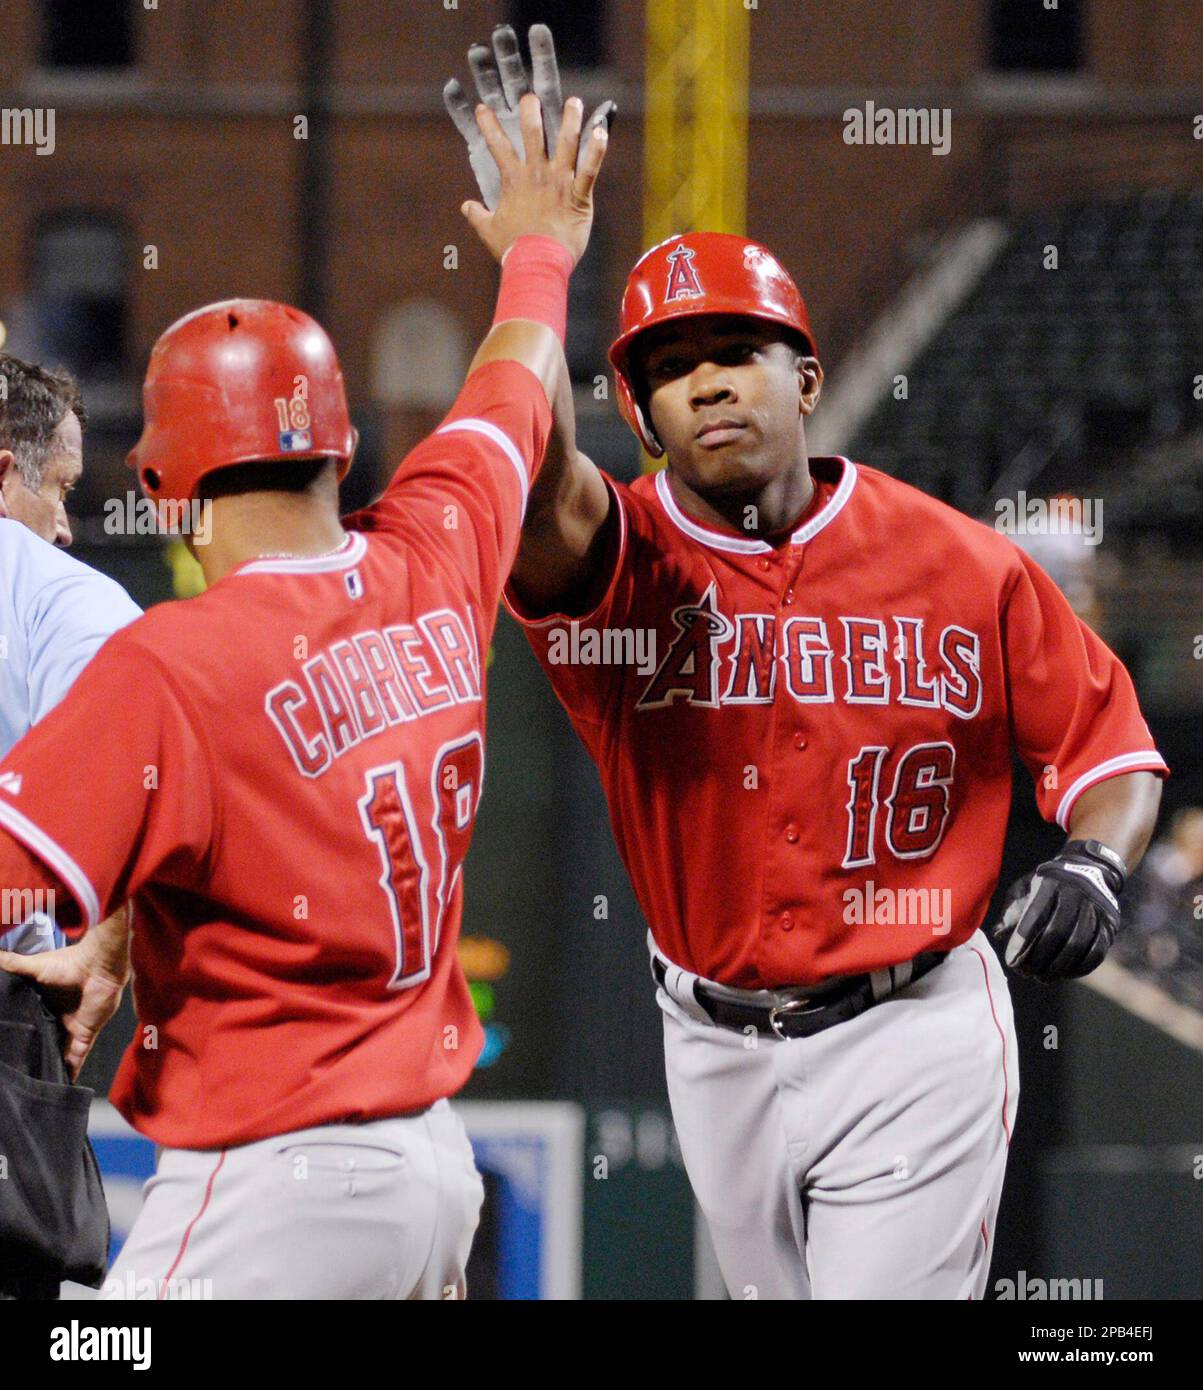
(632, 412)
(646, 433)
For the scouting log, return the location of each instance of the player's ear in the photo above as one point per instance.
(810, 383)
(7, 463)
(354, 447)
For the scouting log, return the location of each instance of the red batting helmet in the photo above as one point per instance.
(700, 273)
(238, 382)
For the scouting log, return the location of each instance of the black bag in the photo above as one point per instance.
(54, 1223)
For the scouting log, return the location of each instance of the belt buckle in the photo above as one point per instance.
(791, 1006)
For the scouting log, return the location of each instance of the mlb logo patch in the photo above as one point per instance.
(355, 584)
(295, 441)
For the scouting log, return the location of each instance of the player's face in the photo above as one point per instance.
(44, 510)
(727, 396)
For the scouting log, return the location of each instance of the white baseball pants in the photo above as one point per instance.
(382, 1210)
(865, 1162)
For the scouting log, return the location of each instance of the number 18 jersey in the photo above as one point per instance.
(283, 774)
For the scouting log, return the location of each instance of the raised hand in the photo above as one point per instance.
(540, 195)
(501, 83)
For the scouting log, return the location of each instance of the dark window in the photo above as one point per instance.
(79, 292)
(87, 33)
(1026, 37)
(576, 27)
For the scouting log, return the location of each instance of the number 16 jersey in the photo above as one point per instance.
(807, 747)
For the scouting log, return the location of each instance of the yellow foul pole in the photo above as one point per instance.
(695, 144)
(695, 125)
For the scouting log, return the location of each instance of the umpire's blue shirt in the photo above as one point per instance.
(55, 614)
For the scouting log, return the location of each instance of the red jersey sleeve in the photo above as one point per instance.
(585, 688)
(1074, 711)
(113, 788)
(22, 872)
(467, 484)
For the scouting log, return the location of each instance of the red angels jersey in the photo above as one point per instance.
(283, 774)
(807, 747)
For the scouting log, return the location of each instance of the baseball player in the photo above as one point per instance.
(810, 791)
(55, 612)
(289, 767)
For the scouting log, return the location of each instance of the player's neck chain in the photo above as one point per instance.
(293, 555)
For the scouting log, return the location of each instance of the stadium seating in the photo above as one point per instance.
(1079, 365)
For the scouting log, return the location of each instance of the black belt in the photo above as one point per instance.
(801, 1017)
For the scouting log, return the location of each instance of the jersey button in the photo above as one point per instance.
(799, 742)
(787, 922)
(791, 834)
(789, 597)
(763, 564)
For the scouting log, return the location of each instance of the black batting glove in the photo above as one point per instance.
(1062, 919)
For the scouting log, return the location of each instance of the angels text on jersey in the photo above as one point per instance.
(715, 660)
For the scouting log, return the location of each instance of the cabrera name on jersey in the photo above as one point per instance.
(358, 687)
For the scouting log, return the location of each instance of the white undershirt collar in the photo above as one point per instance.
(349, 553)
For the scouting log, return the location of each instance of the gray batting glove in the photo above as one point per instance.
(501, 82)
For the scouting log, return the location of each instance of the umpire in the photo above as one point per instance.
(55, 613)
